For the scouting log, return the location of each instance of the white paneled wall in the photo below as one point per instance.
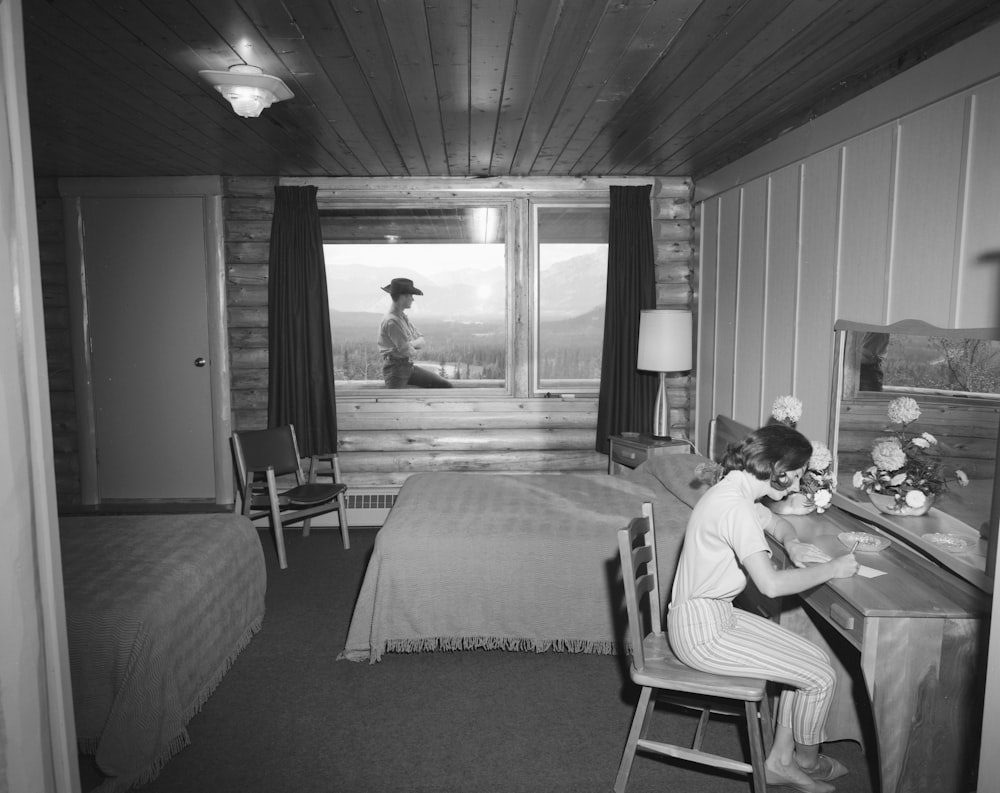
(889, 219)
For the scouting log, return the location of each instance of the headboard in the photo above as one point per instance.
(722, 432)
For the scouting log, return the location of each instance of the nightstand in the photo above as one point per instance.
(630, 451)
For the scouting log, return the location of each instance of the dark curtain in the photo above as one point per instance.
(300, 350)
(627, 395)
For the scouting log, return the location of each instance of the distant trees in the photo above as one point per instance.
(475, 351)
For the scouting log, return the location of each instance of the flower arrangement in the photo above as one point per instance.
(817, 483)
(907, 465)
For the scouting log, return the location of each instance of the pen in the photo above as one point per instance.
(855, 546)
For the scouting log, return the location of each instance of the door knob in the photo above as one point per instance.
(199, 362)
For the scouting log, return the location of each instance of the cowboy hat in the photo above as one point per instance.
(401, 286)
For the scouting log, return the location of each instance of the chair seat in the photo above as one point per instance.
(310, 495)
(662, 669)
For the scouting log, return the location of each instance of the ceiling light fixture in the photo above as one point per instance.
(247, 88)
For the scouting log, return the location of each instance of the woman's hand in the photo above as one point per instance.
(417, 343)
(844, 566)
(805, 553)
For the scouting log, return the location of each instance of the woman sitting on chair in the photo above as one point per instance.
(724, 537)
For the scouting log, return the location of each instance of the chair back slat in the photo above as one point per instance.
(637, 552)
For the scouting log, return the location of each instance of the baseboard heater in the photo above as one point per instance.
(366, 508)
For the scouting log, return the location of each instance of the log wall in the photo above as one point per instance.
(55, 299)
(382, 441)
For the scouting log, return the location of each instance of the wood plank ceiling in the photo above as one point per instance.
(457, 87)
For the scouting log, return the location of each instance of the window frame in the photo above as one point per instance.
(364, 388)
(578, 388)
(518, 195)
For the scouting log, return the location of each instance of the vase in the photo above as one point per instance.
(793, 504)
(888, 505)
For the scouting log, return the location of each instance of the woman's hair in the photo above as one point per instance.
(769, 452)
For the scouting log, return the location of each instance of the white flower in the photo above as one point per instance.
(822, 499)
(787, 409)
(915, 498)
(921, 443)
(821, 457)
(903, 410)
(931, 440)
(888, 455)
(962, 477)
(859, 480)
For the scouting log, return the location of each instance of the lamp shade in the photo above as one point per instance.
(664, 340)
(247, 88)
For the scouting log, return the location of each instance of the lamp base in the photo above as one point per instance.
(661, 411)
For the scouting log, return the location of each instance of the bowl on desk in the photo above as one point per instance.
(867, 543)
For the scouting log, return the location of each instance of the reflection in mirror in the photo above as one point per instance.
(954, 378)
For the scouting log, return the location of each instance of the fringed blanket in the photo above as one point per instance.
(157, 609)
(523, 562)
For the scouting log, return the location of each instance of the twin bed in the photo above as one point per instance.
(159, 606)
(157, 609)
(513, 561)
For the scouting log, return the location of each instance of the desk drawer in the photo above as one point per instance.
(839, 613)
(630, 456)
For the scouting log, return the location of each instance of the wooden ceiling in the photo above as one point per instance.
(457, 87)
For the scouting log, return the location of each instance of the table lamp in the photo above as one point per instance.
(664, 346)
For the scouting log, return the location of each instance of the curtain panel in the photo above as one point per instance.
(300, 349)
(626, 396)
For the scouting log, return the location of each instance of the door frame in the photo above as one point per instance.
(209, 188)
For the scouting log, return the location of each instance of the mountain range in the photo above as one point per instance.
(569, 288)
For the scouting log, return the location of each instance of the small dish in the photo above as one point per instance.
(954, 543)
(867, 543)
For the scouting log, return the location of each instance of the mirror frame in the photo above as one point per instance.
(979, 574)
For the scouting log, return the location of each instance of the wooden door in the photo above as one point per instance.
(146, 300)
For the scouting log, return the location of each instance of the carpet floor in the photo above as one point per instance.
(289, 717)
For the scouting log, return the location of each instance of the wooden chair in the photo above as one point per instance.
(264, 455)
(663, 677)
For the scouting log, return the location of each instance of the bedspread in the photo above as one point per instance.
(505, 561)
(157, 609)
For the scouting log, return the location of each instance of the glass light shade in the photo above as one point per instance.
(246, 100)
(664, 341)
(247, 88)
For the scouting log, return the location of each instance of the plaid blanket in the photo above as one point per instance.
(157, 609)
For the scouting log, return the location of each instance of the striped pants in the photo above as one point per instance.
(715, 636)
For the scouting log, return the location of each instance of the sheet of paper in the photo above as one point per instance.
(869, 572)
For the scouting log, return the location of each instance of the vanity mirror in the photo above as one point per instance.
(953, 378)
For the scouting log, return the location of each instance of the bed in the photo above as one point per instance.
(157, 609)
(524, 562)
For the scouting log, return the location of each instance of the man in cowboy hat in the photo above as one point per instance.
(399, 341)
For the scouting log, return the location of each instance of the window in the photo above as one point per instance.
(455, 255)
(513, 290)
(571, 285)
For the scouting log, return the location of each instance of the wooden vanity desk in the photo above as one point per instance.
(908, 649)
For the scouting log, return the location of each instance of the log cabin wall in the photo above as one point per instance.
(55, 298)
(382, 442)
